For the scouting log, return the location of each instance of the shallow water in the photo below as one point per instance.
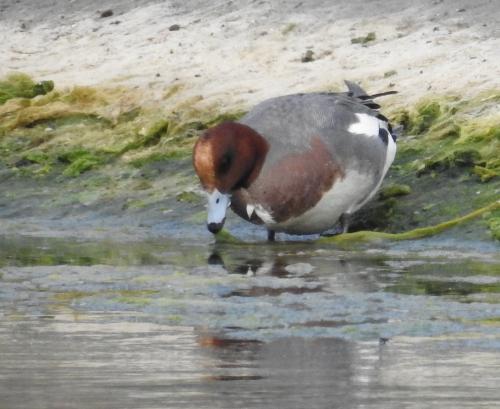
(189, 324)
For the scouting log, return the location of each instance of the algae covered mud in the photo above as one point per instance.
(102, 154)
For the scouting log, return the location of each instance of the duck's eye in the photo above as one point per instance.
(225, 162)
(217, 201)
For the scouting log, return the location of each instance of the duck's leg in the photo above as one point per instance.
(341, 227)
(344, 222)
(270, 235)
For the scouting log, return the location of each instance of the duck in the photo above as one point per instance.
(299, 164)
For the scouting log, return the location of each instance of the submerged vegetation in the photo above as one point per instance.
(448, 161)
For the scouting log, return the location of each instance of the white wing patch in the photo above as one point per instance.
(264, 215)
(250, 210)
(367, 125)
(259, 210)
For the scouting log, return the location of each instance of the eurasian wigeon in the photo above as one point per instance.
(297, 163)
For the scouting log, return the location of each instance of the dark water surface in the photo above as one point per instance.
(186, 324)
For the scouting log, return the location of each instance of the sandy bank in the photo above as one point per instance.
(240, 52)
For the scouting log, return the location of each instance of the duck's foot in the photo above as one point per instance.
(335, 231)
(341, 228)
(271, 235)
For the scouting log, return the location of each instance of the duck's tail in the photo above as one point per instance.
(356, 91)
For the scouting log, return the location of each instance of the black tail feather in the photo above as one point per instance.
(383, 94)
(356, 91)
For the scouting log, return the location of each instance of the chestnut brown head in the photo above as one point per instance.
(226, 158)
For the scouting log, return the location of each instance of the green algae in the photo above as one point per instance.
(198, 218)
(442, 288)
(78, 161)
(149, 158)
(468, 283)
(139, 298)
(426, 114)
(69, 296)
(81, 165)
(450, 134)
(493, 321)
(38, 157)
(26, 251)
(224, 237)
(84, 96)
(18, 85)
(364, 40)
(394, 190)
(136, 297)
(485, 174)
(390, 73)
(149, 138)
(288, 28)
(457, 156)
(419, 233)
(110, 123)
(136, 301)
(494, 226)
(188, 197)
(142, 185)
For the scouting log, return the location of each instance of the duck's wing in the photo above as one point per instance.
(291, 121)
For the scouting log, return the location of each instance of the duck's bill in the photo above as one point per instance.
(217, 206)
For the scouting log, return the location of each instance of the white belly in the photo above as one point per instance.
(342, 198)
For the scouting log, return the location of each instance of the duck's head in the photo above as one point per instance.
(226, 158)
